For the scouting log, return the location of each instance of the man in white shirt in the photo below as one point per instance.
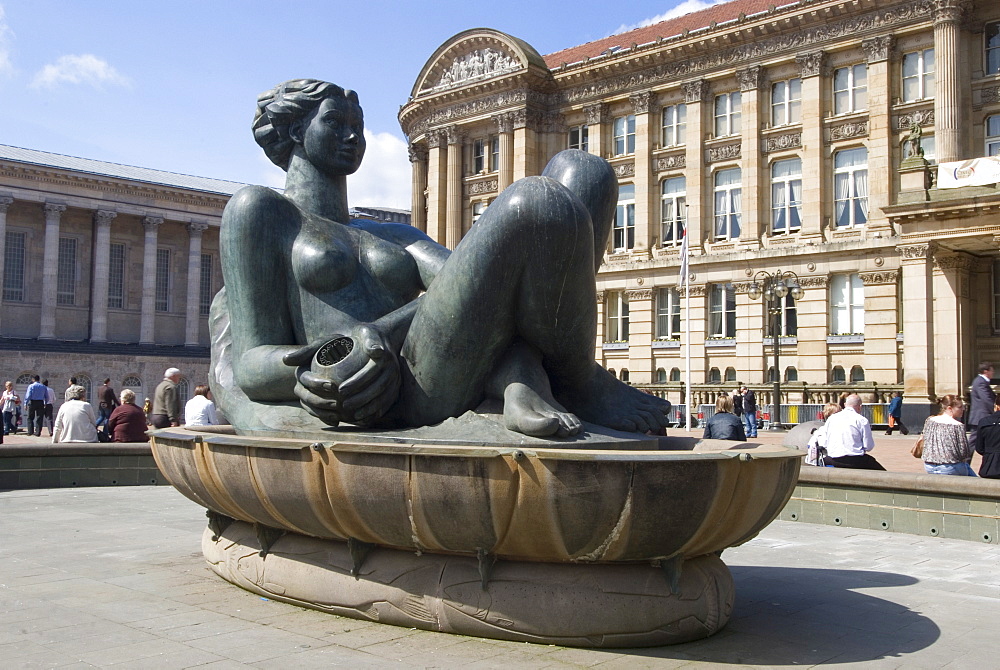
(76, 421)
(849, 438)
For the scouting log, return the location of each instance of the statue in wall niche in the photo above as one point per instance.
(326, 320)
(912, 141)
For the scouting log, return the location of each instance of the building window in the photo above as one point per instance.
(623, 375)
(668, 314)
(66, 272)
(88, 386)
(847, 304)
(772, 374)
(857, 374)
(714, 376)
(788, 318)
(183, 391)
(205, 293)
(673, 210)
(661, 376)
(674, 124)
(730, 374)
(624, 135)
(116, 276)
(791, 374)
(134, 384)
(996, 296)
(162, 280)
(624, 229)
(929, 147)
(477, 211)
(992, 136)
(850, 187)
(850, 89)
(13, 267)
(23, 382)
(494, 154)
(675, 374)
(837, 375)
(786, 102)
(918, 75)
(727, 114)
(617, 317)
(485, 155)
(786, 196)
(722, 311)
(478, 156)
(993, 48)
(579, 138)
(727, 204)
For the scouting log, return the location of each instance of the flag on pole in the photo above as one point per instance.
(684, 257)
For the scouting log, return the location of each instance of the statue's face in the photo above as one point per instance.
(333, 136)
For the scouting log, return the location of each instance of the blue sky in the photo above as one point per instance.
(172, 84)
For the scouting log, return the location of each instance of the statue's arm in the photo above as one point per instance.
(257, 231)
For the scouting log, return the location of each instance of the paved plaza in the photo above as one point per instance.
(114, 577)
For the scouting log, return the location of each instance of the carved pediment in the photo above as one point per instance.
(474, 56)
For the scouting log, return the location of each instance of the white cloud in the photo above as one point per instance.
(384, 177)
(82, 69)
(685, 7)
(6, 37)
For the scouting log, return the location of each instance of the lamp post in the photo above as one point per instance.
(774, 287)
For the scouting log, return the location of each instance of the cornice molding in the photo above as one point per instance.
(883, 277)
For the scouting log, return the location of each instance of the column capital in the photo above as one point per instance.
(913, 252)
(416, 152)
(5, 202)
(434, 138)
(695, 91)
(951, 11)
(812, 64)
(878, 49)
(54, 209)
(883, 277)
(150, 223)
(504, 122)
(196, 228)
(103, 217)
(454, 135)
(596, 113)
(640, 102)
(750, 78)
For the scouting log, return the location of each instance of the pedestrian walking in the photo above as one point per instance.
(749, 412)
(982, 399)
(35, 396)
(896, 415)
(8, 404)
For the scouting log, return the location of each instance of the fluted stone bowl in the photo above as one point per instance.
(546, 505)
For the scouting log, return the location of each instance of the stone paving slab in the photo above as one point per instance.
(120, 582)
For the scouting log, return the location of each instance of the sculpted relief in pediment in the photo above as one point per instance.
(478, 64)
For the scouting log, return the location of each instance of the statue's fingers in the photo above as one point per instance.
(373, 390)
(360, 379)
(316, 384)
(378, 405)
(300, 356)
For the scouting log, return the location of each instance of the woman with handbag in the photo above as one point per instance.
(946, 449)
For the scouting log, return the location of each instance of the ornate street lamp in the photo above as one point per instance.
(774, 287)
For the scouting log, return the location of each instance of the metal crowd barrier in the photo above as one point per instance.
(876, 413)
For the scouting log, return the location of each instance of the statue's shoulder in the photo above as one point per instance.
(252, 206)
(399, 233)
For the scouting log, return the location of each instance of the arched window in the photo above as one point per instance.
(23, 382)
(675, 374)
(714, 376)
(730, 374)
(791, 374)
(857, 374)
(84, 381)
(623, 375)
(183, 391)
(837, 375)
(612, 371)
(134, 384)
(771, 375)
(661, 375)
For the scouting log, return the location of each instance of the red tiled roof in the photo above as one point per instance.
(720, 13)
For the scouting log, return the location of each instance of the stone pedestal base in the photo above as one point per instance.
(572, 604)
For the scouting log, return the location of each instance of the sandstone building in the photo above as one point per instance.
(780, 137)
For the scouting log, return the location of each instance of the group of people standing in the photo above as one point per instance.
(118, 418)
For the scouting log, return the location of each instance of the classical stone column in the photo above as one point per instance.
(505, 134)
(646, 212)
(640, 335)
(453, 211)
(880, 326)
(880, 145)
(147, 319)
(525, 144)
(50, 269)
(696, 97)
(102, 265)
(5, 202)
(192, 317)
(813, 313)
(949, 138)
(812, 70)
(437, 189)
(751, 230)
(418, 199)
(954, 321)
(919, 319)
(597, 116)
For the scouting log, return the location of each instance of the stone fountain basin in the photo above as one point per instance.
(529, 504)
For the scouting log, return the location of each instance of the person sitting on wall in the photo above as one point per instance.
(76, 421)
(200, 410)
(724, 425)
(946, 447)
(849, 438)
(127, 422)
(816, 446)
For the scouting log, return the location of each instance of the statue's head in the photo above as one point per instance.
(286, 113)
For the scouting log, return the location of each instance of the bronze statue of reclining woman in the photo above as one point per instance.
(414, 333)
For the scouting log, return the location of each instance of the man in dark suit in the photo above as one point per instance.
(981, 401)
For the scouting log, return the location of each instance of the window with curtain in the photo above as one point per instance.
(722, 311)
(918, 75)
(850, 89)
(786, 102)
(617, 321)
(13, 266)
(993, 135)
(847, 304)
(788, 319)
(727, 204)
(624, 227)
(728, 114)
(116, 277)
(66, 271)
(992, 33)
(674, 124)
(579, 138)
(668, 313)
(850, 187)
(623, 134)
(672, 210)
(786, 196)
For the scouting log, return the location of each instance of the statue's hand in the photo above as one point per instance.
(370, 391)
(317, 395)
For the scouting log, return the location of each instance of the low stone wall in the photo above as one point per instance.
(961, 508)
(48, 466)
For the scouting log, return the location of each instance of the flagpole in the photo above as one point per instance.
(685, 282)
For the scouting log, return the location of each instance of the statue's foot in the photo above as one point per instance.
(526, 411)
(611, 403)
